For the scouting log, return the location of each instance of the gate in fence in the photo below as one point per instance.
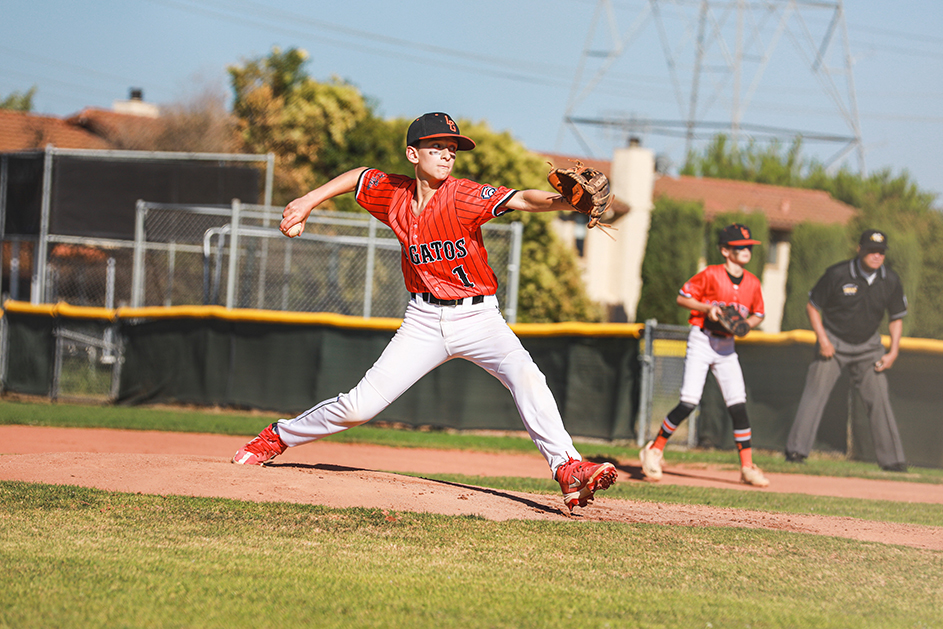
(662, 356)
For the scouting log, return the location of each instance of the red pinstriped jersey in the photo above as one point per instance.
(443, 250)
(714, 286)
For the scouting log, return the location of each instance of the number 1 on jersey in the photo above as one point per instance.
(459, 272)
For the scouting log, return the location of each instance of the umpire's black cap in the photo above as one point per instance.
(736, 235)
(873, 240)
(437, 125)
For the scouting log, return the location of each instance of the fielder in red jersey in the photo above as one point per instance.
(710, 346)
(452, 312)
(715, 286)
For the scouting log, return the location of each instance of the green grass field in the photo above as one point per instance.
(77, 557)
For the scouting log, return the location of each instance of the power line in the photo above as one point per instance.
(500, 67)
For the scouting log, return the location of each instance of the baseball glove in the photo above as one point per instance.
(732, 321)
(585, 188)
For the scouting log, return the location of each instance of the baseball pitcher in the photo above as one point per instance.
(452, 312)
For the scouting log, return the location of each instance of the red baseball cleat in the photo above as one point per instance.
(579, 480)
(262, 449)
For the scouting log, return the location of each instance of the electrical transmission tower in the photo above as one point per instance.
(729, 68)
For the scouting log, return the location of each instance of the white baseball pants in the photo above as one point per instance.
(706, 351)
(429, 336)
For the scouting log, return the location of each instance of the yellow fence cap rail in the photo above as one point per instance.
(575, 328)
(61, 309)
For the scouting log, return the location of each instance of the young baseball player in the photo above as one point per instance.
(710, 346)
(452, 312)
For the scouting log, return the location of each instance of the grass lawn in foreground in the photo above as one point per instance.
(76, 557)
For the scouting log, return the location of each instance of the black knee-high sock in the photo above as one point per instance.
(742, 433)
(677, 415)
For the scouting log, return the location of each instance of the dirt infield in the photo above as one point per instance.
(341, 475)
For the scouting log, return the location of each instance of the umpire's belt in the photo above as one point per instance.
(432, 299)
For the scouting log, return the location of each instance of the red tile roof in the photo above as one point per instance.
(126, 131)
(784, 207)
(20, 131)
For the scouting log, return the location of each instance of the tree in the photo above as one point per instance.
(675, 243)
(199, 124)
(19, 101)
(814, 248)
(724, 160)
(282, 110)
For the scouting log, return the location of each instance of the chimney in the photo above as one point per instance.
(135, 105)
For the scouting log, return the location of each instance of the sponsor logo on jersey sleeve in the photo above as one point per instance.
(374, 180)
(487, 192)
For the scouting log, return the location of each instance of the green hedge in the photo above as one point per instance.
(675, 243)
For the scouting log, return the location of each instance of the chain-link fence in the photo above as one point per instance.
(347, 263)
(662, 355)
(235, 256)
(344, 263)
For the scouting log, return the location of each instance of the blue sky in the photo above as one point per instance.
(515, 63)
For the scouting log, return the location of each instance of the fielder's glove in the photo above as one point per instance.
(731, 320)
(585, 188)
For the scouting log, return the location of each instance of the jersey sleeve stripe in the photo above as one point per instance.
(499, 208)
(360, 180)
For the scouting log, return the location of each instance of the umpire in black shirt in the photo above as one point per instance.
(845, 308)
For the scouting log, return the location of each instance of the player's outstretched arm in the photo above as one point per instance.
(537, 201)
(297, 212)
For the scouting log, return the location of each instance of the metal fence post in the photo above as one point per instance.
(15, 269)
(646, 388)
(286, 275)
(368, 272)
(514, 271)
(40, 261)
(171, 266)
(137, 268)
(57, 363)
(233, 255)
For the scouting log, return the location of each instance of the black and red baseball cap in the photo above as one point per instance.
(736, 235)
(437, 125)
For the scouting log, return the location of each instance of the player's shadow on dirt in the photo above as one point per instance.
(500, 494)
(705, 477)
(329, 467)
(324, 467)
(634, 472)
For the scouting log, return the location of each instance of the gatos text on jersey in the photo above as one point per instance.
(437, 250)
